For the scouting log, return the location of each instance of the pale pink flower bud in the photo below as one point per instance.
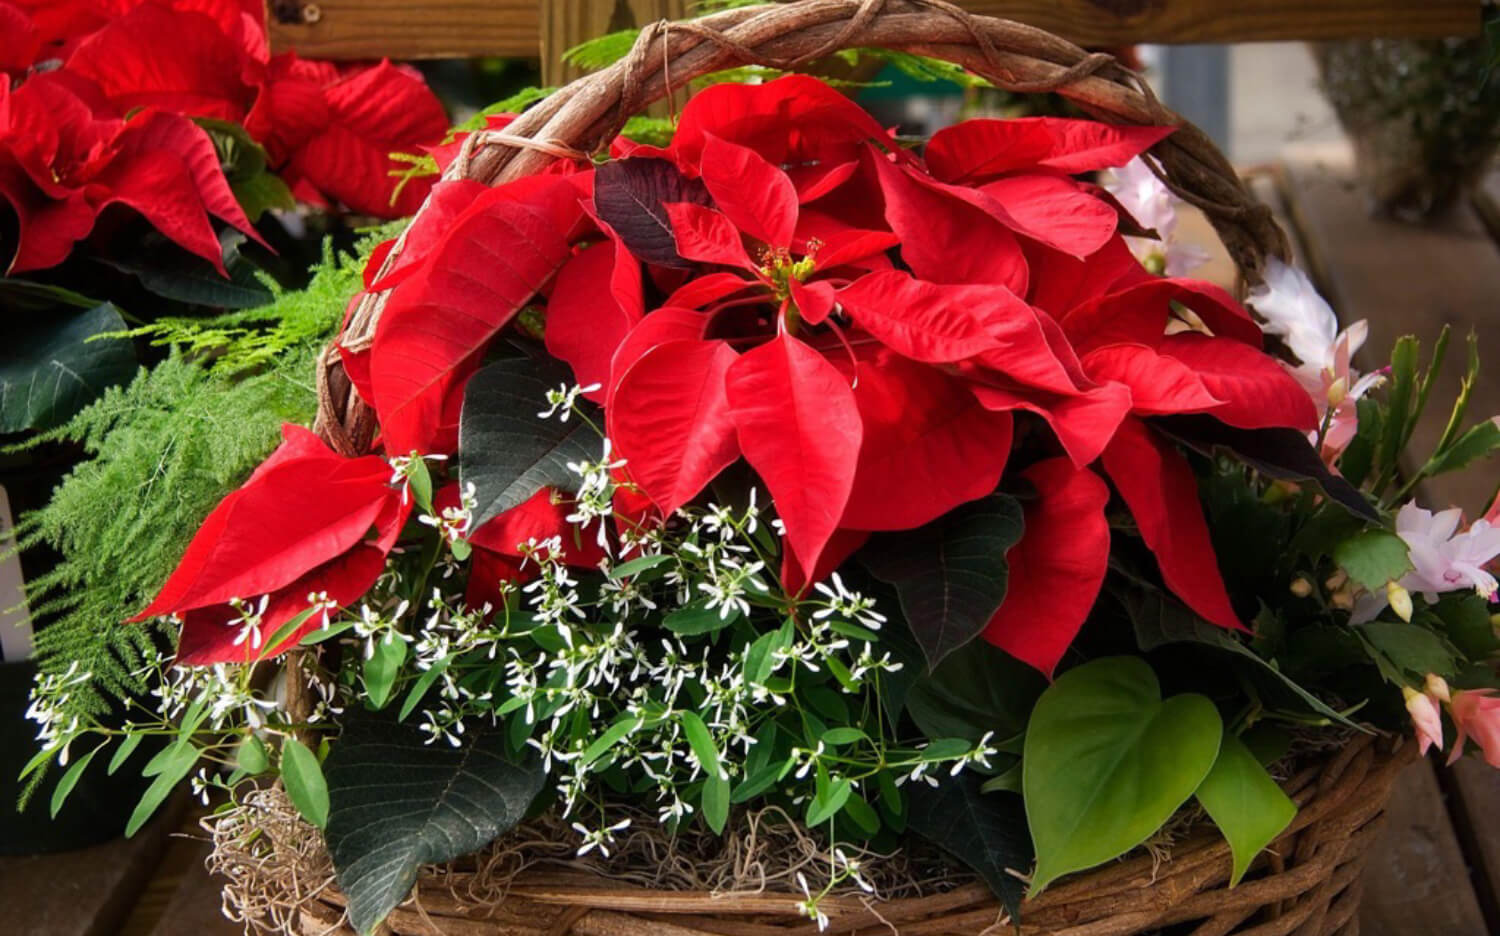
(1425, 719)
(1476, 712)
(1437, 688)
(1301, 587)
(1400, 600)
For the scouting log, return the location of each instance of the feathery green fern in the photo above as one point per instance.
(163, 451)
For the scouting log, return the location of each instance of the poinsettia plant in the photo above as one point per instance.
(142, 142)
(790, 465)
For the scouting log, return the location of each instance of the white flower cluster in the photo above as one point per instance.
(50, 695)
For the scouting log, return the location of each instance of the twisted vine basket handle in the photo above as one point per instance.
(583, 117)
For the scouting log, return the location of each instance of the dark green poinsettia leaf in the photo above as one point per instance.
(505, 449)
(981, 690)
(1465, 618)
(50, 369)
(985, 831)
(397, 803)
(245, 165)
(18, 295)
(950, 574)
(1276, 453)
(182, 277)
(1373, 558)
(1107, 761)
(1160, 620)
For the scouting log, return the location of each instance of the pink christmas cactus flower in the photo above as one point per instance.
(1476, 712)
(1444, 559)
(1152, 204)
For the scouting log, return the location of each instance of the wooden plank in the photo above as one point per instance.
(404, 29)
(88, 892)
(1415, 879)
(566, 23)
(410, 29)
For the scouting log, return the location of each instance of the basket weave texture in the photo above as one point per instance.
(1306, 884)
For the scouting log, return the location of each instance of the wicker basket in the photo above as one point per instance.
(1307, 883)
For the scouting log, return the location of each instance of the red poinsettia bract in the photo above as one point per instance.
(66, 155)
(308, 532)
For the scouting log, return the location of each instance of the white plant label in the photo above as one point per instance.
(15, 618)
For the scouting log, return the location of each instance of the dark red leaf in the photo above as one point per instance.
(540, 517)
(1158, 384)
(1054, 210)
(842, 545)
(1083, 424)
(1258, 392)
(631, 196)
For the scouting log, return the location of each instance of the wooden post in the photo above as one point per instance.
(566, 23)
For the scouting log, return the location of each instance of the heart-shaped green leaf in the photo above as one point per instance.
(1245, 803)
(1107, 762)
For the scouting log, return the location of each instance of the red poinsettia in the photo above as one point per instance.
(308, 533)
(787, 285)
(66, 155)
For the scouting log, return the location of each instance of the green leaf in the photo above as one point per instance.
(715, 803)
(302, 776)
(1373, 558)
(986, 833)
(829, 799)
(178, 763)
(638, 565)
(122, 753)
(838, 737)
(425, 682)
(51, 369)
(1465, 618)
(1007, 781)
(950, 574)
(185, 277)
(252, 755)
(382, 668)
(622, 728)
(70, 780)
(697, 617)
(1398, 398)
(18, 295)
(397, 803)
(261, 193)
(702, 743)
(1411, 647)
(982, 690)
(1107, 761)
(505, 449)
(1245, 803)
(1160, 620)
(1479, 442)
(862, 813)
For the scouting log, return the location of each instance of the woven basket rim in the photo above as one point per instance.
(1340, 797)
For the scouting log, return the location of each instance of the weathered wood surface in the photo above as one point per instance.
(409, 29)
(566, 23)
(89, 892)
(1438, 868)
